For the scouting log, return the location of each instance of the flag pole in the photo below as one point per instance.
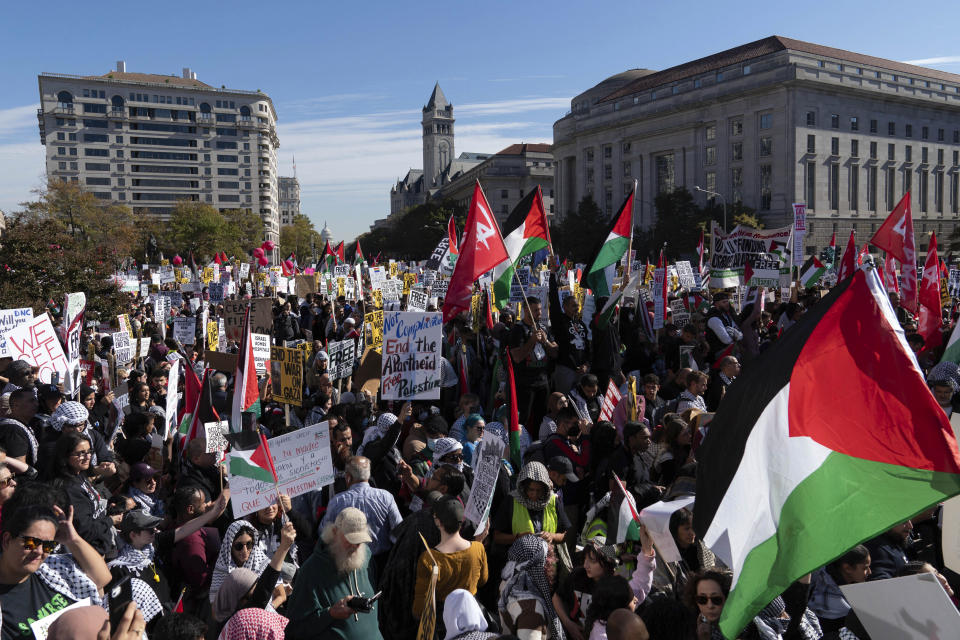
(636, 518)
(628, 266)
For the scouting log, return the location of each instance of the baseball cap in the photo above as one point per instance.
(352, 523)
(564, 467)
(142, 470)
(48, 391)
(349, 321)
(136, 520)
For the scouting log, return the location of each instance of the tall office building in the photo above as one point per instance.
(289, 199)
(148, 140)
(770, 123)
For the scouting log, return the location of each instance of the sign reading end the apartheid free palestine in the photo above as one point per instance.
(411, 367)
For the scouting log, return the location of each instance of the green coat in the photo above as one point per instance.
(318, 587)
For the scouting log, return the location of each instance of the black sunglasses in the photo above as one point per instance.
(717, 600)
(240, 546)
(31, 544)
(453, 457)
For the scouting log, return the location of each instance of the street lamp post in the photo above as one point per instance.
(722, 199)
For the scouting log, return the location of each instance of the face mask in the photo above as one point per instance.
(432, 442)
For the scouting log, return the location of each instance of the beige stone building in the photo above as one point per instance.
(771, 123)
(289, 189)
(147, 140)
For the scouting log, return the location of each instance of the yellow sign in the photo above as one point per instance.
(377, 298)
(374, 321)
(213, 334)
(207, 275)
(124, 322)
(394, 269)
(164, 263)
(286, 375)
(307, 349)
(476, 311)
(341, 286)
(409, 279)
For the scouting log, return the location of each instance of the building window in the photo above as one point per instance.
(588, 155)
(873, 126)
(924, 157)
(873, 150)
(891, 188)
(854, 123)
(710, 157)
(940, 157)
(891, 128)
(736, 151)
(891, 151)
(854, 187)
(627, 168)
(766, 187)
(835, 146)
(736, 183)
(924, 132)
(504, 193)
(834, 186)
(665, 173)
(719, 76)
(811, 144)
(736, 126)
(710, 132)
(811, 118)
(854, 148)
(834, 121)
(940, 135)
(954, 193)
(607, 151)
(938, 191)
(908, 154)
(608, 172)
(711, 180)
(626, 148)
(766, 146)
(589, 174)
(907, 180)
(811, 185)
(922, 178)
(871, 189)
(908, 131)
(746, 69)
(766, 120)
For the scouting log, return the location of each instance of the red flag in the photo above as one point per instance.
(264, 458)
(864, 252)
(931, 314)
(895, 236)
(747, 273)
(204, 411)
(848, 264)
(890, 274)
(486, 299)
(339, 252)
(462, 370)
(481, 250)
(700, 251)
(514, 415)
(179, 607)
(216, 258)
(191, 391)
(454, 245)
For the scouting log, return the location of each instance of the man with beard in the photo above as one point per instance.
(337, 571)
(888, 551)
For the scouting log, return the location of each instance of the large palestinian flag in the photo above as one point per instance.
(599, 277)
(831, 438)
(524, 232)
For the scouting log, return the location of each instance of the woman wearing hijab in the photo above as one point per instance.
(243, 588)
(526, 592)
(463, 618)
(71, 464)
(533, 508)
(239, 549)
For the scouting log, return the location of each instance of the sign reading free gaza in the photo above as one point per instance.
(411, 367)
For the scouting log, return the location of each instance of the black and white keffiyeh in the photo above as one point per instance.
(257, 561)
(68, 413)
(377, 431)
(533, 471)
(27, 431)
(524, 578)
(134, 559)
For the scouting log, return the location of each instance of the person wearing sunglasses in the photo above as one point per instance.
(71, 462)
(34, 583)
(706, 593)
(8, 483)
(239, 549)
(474, 425)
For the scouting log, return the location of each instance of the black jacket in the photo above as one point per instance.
(90, 519)
(571, 334)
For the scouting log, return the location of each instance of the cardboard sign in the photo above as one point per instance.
(303, 461)
(304, 285)
(486, 466)
(185, 330)
(226, 362)
(286, 375)
(411, 368)
(908, 608)
(37, 343)
(10, 319)
(656, 517)
(261, 352)
(122, 348)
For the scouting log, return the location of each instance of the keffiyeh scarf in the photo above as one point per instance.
(533, 471)
(254, 624)
(257, 561)
(525, 578)
(377, 431)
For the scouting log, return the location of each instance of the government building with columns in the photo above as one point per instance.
(768, 124)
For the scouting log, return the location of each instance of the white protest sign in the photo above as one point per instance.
(377, 276)
(41, 627)
(908, 608)
(685, 274)
(731, 252)
(416, 300)
(680, 315)
(656, 517)
(165, 275)
(244, 270)
(799, 232)
(341, 270)
(215, 289)
(10, 319)
(439, 288)
(486, 465)
(173, 398)
(261, 351)
(37, 343)
(185, 330)
(411, 356)
(950, 526)
(213, 432)
(303, 462)
(121, 347)
(658, 299)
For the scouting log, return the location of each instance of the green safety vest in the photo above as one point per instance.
(523, 523)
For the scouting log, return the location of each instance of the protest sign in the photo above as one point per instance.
(909, 608)
(486, 465)
(799, 232)
(341, 270)
(261, 316)
(122, 349)
(244, 270)
(685, 274)
(216, 292)
(213, 433)
(377, 276)
(40, 627)
(37, 343)
(518, 289)
(730, 252)
(681, 317)
(173, 399)
(656, 518)
(233, 312)
(166, 275)
(303, 462)
(416, 300)
(261, 352)
(213, 334)
(373, 321)
(304, 285)
(658, 301)
(411, 356)
(409, 279)
(218, 361)
(185, 330)
(10, 319)
(286, 375)
(439, 288)
(950, 520)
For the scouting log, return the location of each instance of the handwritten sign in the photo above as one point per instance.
(216, 292)
(214, 436)
(286, 375)
(261, 351)
(303, 462)
(416, 300)
(486, 465)
(411, 369)
(10, 319)
(185, 330)
(122, 348)
(373, 321)
(37, 343)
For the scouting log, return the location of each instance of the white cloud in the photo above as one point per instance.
(17, 120)
(21, 170)
(513, 106)
(937, 60)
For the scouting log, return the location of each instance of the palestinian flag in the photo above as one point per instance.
(358, 254)
(628, 520)
(203, 412)
(811, 272)
(339, 252)
(800, 476)
(603, 267)
(525, 232)
(256, 464)
(695, 303)
(952, 352)
(329, 257)
(246, 393)
(514, 415)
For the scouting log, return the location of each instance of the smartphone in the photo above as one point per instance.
(120, 593)
(376, 596)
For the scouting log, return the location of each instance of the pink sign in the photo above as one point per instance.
(37, 343)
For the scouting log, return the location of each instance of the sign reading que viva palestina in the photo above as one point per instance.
(411, 368)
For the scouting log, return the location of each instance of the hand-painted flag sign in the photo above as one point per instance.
(610, 400)
(800, 476)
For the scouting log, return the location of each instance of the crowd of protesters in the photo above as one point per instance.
(91, 495)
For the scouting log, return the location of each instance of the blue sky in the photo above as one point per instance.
(349, 79)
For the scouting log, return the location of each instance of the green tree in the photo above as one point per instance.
(679, 223)
(241, 233)
(579, 233)
(414, 234)
(197, 227)
(300, 238)
(41, 260)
